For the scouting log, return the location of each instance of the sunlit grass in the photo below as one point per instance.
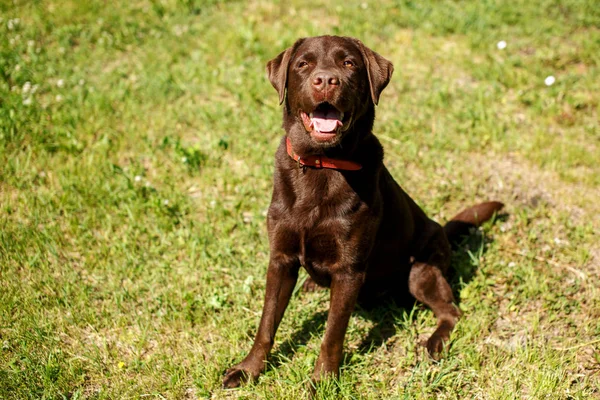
(136, 153)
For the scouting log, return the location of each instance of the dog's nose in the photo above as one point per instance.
(322, 81)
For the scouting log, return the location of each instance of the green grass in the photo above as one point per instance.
(136, 153)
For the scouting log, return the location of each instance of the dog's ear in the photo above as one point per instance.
(379, 70)
(277, 69)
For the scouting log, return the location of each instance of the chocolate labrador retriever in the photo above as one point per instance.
(337, 211)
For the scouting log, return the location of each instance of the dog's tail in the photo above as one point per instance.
(472, 217)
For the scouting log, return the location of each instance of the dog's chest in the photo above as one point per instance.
(321, 229)
(319, 247)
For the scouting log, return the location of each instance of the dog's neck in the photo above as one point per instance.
(320, 162)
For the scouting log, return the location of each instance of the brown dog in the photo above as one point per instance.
(337, 211)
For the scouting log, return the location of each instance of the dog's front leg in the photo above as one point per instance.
(344, 292)
(282, 275)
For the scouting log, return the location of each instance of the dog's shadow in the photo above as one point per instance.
(385, 314)
(311, 326)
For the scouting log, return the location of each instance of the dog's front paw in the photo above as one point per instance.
(322, 382)
(237, 375)
(435, 346)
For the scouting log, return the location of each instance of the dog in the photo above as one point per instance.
(337, 211)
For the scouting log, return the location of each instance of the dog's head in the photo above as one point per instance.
(328, 83)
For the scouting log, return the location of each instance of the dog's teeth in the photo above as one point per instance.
(310, 115)
(341, 116)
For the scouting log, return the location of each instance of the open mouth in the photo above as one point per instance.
(324, 122)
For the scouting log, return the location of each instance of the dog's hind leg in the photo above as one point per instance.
(310, 285)
(428, 285)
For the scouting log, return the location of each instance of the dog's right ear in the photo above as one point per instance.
(277, 69)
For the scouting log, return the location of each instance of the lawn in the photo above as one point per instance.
(136, 154)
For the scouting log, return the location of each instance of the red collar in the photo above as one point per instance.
(321, 161)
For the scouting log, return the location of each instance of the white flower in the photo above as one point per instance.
(17, 67)
(60, 83)
(364, 6)
(58, 97)
(26, 87)
(27, 101)
(178, 30)
(81, 82)
(34, 88)
(183, 159)
(501, 45)
(61, 50)
(30, 43)
(248, 283)
(137, 178)
(166, 202)
(549, 81)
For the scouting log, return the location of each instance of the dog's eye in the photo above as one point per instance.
(302, 64)
(348, 63)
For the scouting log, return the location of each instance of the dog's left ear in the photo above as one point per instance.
(379, 70)
(277, 69)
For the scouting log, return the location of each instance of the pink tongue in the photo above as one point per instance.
(325, 121)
